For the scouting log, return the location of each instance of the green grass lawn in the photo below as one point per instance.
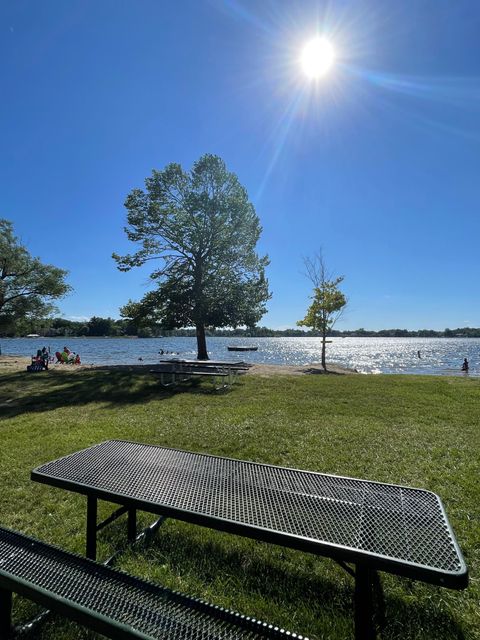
(417, 431)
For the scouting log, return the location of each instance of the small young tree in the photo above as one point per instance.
(328, 301)
(203, 230)
(27, 286)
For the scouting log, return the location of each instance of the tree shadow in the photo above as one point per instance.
(284, 582)
(321, 371)
(23, 392)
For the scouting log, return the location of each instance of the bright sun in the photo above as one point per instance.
(317, 57)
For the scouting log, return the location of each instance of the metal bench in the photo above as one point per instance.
(109, 601)
(170, 376)
(227, 377)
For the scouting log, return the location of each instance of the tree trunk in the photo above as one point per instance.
(324, 363)
(201, 343)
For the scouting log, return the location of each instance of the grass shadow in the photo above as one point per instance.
(321, 371)
(283, 580)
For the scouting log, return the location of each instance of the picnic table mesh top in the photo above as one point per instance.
(392, 521)
(152, 610)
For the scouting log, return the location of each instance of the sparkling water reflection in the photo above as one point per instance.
(438, 356)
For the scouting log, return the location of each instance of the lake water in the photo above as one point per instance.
(439, 356)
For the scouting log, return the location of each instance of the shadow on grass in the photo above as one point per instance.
(282, 582)
(321, 371)
(22, 392)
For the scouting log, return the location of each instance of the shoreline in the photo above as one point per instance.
(19, 363)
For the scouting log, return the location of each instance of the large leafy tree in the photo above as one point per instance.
(202, 229)
(328, 302)
(27, 286)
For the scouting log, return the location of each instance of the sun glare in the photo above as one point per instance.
(317, 58)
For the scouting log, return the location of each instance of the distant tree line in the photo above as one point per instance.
(461, 332)
(109, 327)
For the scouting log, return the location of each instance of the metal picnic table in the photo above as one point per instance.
(177, 370)
(234, 364)
(375, 526)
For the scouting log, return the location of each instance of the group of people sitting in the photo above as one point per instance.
(67, 357)
(42, 359)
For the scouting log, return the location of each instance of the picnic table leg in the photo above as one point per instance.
(364, 627)
(5, 613)
(91, 551)
(132, 525)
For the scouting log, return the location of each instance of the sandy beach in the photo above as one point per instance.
(13, 363)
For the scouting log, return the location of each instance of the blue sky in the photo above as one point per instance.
(378, 163)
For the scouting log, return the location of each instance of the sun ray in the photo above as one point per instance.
(279, 135)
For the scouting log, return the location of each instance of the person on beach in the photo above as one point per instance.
(465, 365)
(418, 354)
(45, 357)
